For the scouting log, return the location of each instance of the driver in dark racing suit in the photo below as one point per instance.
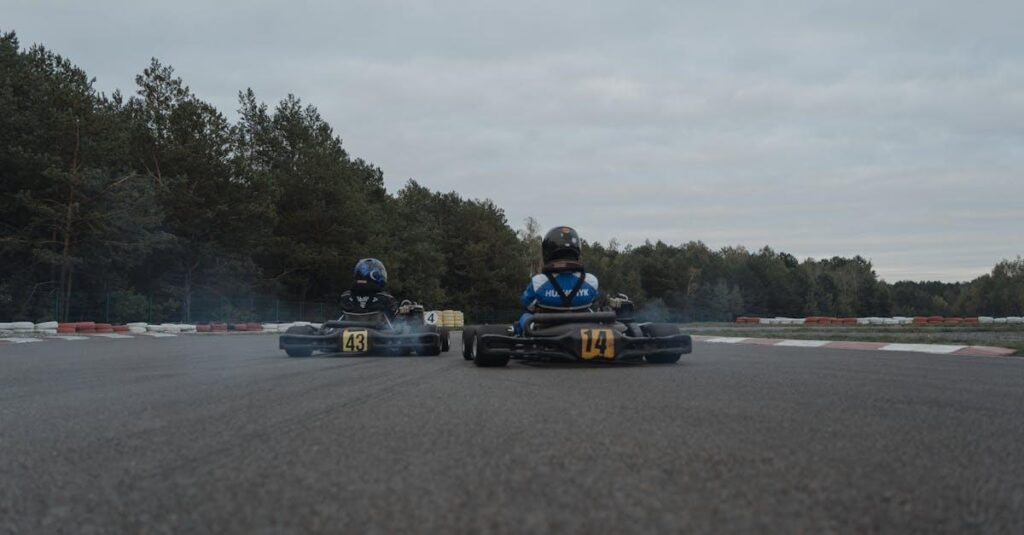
(562, 285)
(367, 293)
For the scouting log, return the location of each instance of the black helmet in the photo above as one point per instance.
(370, 271)
(561, 244)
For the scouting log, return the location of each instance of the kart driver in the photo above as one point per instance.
(562, 285)
(367, 293)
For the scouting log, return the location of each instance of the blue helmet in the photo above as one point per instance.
(371, 271)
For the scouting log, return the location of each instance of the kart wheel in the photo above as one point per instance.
(482, 359)
(300, 351)
(662, 329)
(446, 340)
(467, 342)
(431, 351)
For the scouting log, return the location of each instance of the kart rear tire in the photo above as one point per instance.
(467, 342)
(431, 351)
(446, 340)
(662, 329)
(488, 361)
(300, 351)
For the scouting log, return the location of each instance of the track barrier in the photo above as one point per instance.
(452, 319)
(898, 320)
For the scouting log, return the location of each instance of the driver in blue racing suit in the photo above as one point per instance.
(562, 285)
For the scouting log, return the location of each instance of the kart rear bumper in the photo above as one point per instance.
(331, 342)
(566, 347)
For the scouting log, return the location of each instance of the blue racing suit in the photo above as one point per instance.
(541, 294)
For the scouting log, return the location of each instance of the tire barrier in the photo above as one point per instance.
(455, 319)
(90, 327)
(452, 319)
(897, 320)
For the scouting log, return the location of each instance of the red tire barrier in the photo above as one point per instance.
(120, 328)
(218, 327)
(920, 320)
(253, 327)
(66, 328)
(85, 327)
(953, 321)
(847, 321)
(971, 320)
(237, 327)
(203, 328)
(104, 328)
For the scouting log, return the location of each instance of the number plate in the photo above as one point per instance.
(354, 341)
(597, 343)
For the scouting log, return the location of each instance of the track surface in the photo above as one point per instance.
(200, 434)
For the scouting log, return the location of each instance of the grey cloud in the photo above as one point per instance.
(891, 130)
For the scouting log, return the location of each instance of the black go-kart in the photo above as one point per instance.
(606, 336)
(369, 334)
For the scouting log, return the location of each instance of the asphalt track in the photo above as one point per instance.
(223, 434)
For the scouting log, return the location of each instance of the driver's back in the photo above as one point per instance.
(368, 303)
(554, 291)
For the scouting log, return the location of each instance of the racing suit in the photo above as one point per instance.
(364, 298)
(557, 292)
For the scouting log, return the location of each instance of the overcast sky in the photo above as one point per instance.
(894, 130)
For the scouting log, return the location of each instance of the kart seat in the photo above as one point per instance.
(343, 323)
(357, 319)
(549, 319)
(557, 324)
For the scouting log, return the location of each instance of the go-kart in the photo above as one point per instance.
(606, 336)
(368, 333)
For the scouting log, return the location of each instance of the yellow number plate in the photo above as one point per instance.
(354, 341)
(597, 343)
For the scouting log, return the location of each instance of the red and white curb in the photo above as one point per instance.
(115, 336)
(18, 340)
(66, 338)
(935, 349)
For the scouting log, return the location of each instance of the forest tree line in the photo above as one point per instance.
(154, 202)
